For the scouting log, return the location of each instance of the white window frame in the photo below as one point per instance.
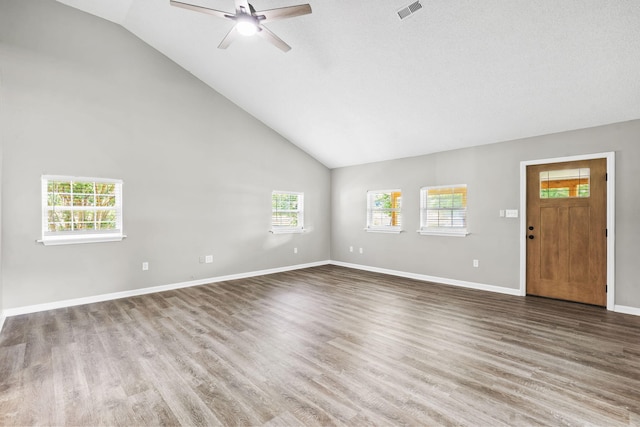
(455, 231)
(84, 236)
(371, 210)
(277, 229)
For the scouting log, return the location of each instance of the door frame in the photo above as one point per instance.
(611, 216)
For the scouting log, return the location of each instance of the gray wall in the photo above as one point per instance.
(81, 96)
(492, 173)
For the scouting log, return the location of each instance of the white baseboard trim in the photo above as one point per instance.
(425, 278)
(3, 317)
(626, 310)
(143, 291)
(136, 292)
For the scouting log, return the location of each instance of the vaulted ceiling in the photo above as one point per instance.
(361, 85)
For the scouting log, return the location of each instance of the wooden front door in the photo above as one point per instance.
(566, 231)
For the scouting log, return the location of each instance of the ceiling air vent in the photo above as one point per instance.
(405, 12)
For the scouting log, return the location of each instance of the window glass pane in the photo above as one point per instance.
(82, 216)
(384, 209)
(57, 199)
(382, 201)
(59, 216)
(282, 202)
(83, 188)
(106, 201)
(432, 219)
(105, 225)
(286, 210)
(458, 218)
(381, 219)
(444, 218)
(444, 207)
(102, 188)
(433, 202)
(105, 216)
(59, 220)
(60, 226)
(583, 190)
(81, 206)
(565, 183)
(59, 187)
(83, 200)
(457, 200)
(285, 219)
(83, 225)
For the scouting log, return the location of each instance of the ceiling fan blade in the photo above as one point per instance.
(229, 38)
(242, 4)
(202, 9)
(273, 39)
(284, 12)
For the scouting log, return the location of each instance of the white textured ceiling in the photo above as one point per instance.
(360, 85)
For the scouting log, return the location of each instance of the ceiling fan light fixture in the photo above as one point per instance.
(248, 21)
(246, 26)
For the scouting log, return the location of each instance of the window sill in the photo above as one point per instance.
(287, 231)
(383, 230)
(446, 233)
(76, 240)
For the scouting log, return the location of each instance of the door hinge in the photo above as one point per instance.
(606, 288)
(606, 232)
(606, 177)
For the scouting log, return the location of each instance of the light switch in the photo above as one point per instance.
(512, 213)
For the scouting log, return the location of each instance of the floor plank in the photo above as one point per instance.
(322, 346)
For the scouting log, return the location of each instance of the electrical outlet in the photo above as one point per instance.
(476, 263)
(361, 250)
(208, 259)
(145, 266)
(295, 250)
(501, 213)
(350, 248)
(201, 260)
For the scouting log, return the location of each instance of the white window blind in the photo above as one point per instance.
(384, 210)
(81, 210)
(443, 210)
(287, 212)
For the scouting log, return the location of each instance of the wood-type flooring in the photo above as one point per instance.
(322, 346)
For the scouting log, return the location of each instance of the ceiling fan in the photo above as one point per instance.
(248, 21)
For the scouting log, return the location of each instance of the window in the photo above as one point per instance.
(384, 211)
(443, 210)
(287, 212)
(81, 210)
(567, 183)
